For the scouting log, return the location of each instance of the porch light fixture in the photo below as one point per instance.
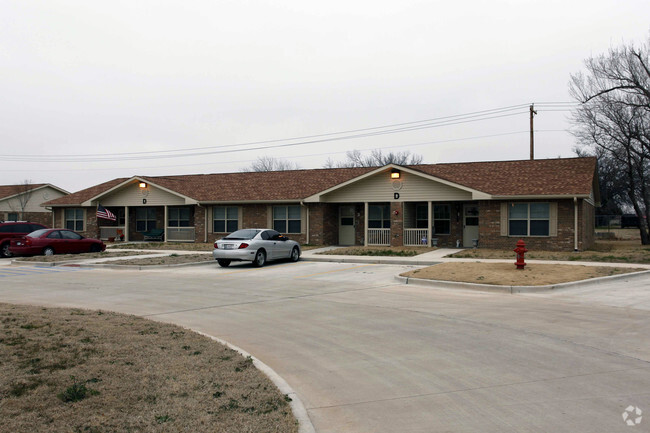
(395, 174)
(143, 185)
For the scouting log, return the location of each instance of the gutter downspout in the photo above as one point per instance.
(302, 203)
(575, 223)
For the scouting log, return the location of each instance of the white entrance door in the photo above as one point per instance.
(346, 225)
(470, 224)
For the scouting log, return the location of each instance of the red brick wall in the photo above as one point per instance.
(199, 223)
(44, 218)
(490, 228)
(323, 224)
(588, 225)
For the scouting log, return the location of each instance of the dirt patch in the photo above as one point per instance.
(64, 257)
(379, 251)
(629, 251)
(506, 274)
(66, 370)
(172, 259)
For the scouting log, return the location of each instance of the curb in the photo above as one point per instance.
(297, 407)
(519, 289)
(374, 261)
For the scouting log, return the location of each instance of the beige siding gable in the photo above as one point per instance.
(380, 188)
(37, 197)
(133, 195)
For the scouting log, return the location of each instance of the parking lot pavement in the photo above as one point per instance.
(368, 355)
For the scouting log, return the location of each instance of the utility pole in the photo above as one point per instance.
(532, 134)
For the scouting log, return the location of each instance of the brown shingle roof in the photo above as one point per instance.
(9, 190)
(85, 194)
(569, 176)
(263, 186)
(572, 176)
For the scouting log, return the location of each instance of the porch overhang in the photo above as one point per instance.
(474, 194)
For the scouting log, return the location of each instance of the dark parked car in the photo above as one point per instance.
(14, 229)
(55, 241)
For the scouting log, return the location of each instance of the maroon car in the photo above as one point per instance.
(54, 241)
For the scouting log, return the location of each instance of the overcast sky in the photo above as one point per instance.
(87, 87)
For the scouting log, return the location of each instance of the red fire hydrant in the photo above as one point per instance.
(520, 250)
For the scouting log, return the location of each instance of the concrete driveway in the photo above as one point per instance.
(366, 354)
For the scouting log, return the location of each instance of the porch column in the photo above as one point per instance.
(429, 224)
(365, 223)
(126, 224)
(166, 223)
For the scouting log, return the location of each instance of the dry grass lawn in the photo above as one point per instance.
(176, 246)
(172, 259)
(506, 274)
(379, 251)
(65, 370)
(618, 251)
(64, 257)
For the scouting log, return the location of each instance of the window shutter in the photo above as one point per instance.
(303, 219)
(504, 218)
(240, 217)
(269, 217)
(552, 222)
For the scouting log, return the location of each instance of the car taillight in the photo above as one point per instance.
(216, 246)
(243, 245)
(28, 241)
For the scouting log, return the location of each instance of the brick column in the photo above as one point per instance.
(396, 224)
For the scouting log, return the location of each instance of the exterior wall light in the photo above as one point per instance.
(143, 185)
(395, 174)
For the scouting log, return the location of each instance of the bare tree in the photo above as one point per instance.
(269, 163)
(19, 202)
(355, 158)
(614, 119)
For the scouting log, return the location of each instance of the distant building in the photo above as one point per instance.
(23, 202)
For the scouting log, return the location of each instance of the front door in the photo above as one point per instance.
(470, 225)
(346, 225)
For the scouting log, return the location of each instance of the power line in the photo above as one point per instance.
(396, 128)
(304, 156)
(152, 155)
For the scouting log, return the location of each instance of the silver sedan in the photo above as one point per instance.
(255, 245)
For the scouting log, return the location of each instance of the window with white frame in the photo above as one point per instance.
(74, 219)
(12, 216)
(286, 219)
(145, 219)
(225, 219)
(441, 219)
(378, 216)
(178, 216)
(528, 219)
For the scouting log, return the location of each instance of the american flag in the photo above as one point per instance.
(104, 213)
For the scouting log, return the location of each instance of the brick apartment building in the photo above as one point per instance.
(550, 203)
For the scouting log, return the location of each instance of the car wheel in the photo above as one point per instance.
(295, 254)
(223, 263)
(48, 251)
(260, 258)
(4, 250)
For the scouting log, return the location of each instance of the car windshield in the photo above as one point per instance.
(241, 235)
(38, 233)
